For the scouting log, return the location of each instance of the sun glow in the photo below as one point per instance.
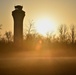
(45, 25)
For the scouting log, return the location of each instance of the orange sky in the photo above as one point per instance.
(61, 11)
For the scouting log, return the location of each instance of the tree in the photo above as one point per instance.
(49, 37)
(0, 26)
(0, 30)
(30, 30)
(72, 33)
(8, 36)
(63, 33)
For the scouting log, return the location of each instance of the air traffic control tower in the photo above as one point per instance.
(18, 16)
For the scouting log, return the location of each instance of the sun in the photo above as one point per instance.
(45, 25)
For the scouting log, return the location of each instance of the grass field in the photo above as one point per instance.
(37, 63)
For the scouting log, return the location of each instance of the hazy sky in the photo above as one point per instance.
(61, 11)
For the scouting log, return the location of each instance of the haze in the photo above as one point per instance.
(61, 11)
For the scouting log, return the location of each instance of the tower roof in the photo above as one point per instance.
(18, 7)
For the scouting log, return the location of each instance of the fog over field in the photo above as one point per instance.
(37, 63)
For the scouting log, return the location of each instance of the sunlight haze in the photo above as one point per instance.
(60, 11)
(45, 25)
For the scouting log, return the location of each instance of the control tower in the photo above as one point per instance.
(18, 16)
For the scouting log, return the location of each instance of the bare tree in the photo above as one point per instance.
(0, 26)
(30, 30)
(63, 32)
(72, 33)
(8, 36)
(0, 30)
(49, 37)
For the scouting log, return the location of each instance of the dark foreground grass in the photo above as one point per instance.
(35, 64)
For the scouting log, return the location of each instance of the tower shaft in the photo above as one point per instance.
(18, 16)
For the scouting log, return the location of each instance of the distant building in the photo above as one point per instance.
(18, 16)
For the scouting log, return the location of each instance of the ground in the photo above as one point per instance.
(38, 63)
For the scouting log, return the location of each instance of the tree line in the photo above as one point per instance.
(65, 34)
(66, 38)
